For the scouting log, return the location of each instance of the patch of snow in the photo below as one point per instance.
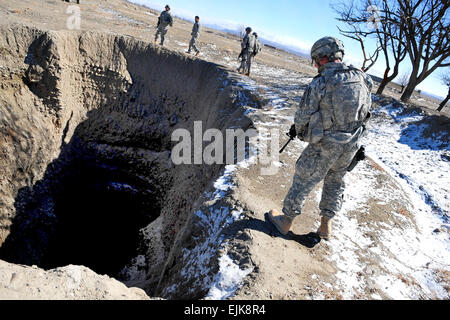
(398, 142)
(122, 187)
(137, 270)
(228, 279)
(408, 255)
(181, 44)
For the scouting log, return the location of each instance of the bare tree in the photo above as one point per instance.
(445, 78)
(349, 13)
(369, 59)
(389, 36)
(426, 26)
(403, 80)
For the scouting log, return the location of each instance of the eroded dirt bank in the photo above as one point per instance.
(86, 124)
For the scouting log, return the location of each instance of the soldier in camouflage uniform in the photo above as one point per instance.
(164, 20)
(247, 45)
(331, 117)
(195, 34)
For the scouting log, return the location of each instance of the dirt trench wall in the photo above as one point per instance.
(75, 107)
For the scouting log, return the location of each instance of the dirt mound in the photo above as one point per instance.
(68, 283)
(85, 143)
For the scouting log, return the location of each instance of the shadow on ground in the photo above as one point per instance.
(309, 240)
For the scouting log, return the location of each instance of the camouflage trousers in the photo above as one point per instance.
(161, 31)
(246, 64)
(193, 45)
(327, 161)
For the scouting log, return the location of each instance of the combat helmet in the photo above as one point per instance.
(330, 47)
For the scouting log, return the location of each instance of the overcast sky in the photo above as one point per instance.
(296, 24)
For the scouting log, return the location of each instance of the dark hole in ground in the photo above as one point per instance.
(100, 210)
(98, 207)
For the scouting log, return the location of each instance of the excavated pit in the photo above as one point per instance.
(85, 143)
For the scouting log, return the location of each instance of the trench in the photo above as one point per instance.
(91, 168)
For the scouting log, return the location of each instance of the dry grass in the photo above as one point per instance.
(443, 276)
(374, 165)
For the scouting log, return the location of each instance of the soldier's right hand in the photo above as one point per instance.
(292, 132)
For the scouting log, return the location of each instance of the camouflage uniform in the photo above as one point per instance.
(165, 20)
(248, 44)
(195, 34)
(330, 118)
(258, 47)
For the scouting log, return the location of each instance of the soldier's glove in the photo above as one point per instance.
(360, 156)
(292, 132)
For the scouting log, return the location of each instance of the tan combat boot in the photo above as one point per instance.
(324, 230)
(280, 221)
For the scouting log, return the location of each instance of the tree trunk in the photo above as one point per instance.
(382, 86)
(384, 82)
(406, 96)
(412, 84)
(442, 105)
(387, 79)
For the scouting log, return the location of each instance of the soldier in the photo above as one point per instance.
(164, 20)
(332, 118)
(195, 34)
(78, 1)
(247, 46)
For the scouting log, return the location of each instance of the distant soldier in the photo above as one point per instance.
(331, 117)
(78, 1)
(247, 46)
(164, 20)
(195, 34)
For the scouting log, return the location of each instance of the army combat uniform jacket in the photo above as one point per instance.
(195, 34)
(247, 45)
(196, 30)
(164, 20)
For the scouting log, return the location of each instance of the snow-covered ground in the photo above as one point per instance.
(398, 139)
(412, 258)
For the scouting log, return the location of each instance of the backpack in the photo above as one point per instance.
(257, 48)
(349, 99)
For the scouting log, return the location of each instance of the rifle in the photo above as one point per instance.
(287, 143)
(241, 55)
(292, 134)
